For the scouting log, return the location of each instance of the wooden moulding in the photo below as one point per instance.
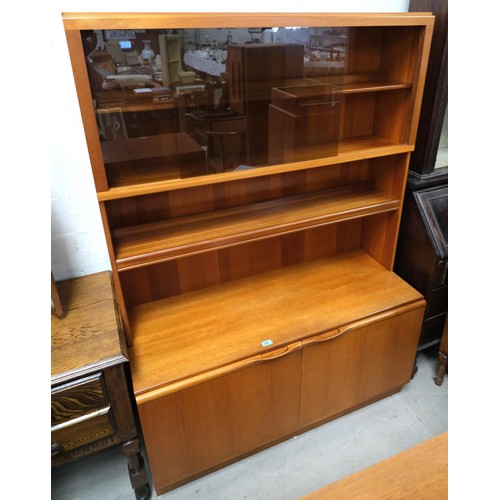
(158, 20)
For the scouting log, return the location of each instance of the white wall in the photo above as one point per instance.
(78, 246)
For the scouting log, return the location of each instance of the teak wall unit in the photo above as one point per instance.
(261, 302)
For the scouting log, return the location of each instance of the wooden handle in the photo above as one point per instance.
(277, 353)
(332, 334)
(322, 337)
(218, 372)
(370, 320)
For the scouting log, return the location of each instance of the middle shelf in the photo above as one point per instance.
(137, 246)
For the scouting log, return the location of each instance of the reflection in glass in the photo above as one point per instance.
(442, 152)
(180, 103)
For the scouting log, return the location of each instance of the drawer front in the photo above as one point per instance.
(78, 398)
(441, 274)
(82, 430)
(438, 302)
(432, 330)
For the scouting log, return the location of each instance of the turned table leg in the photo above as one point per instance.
(136, 470)
(443, 356)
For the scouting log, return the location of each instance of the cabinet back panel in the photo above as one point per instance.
(137, 210)
(379, 237)
(395, 106)
(195, 272)
(392, 52)
(377, 114)
(390, 174)
(401, 55)
(363, 50)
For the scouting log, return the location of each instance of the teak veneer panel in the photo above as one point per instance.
(343, 370)
(218, 421)
(162, 20)
(188, 235)
(252, 296)
(190, 334)
(420, 473)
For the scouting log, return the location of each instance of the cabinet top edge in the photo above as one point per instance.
(130, 20)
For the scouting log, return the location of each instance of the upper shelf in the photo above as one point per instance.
(160, 241)
(358, 106)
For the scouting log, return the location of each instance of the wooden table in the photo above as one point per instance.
(419, 473)
(91, 407)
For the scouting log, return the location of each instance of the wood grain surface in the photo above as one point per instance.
(182, 336)
(419, 473)
(164, 240)
(87, 337)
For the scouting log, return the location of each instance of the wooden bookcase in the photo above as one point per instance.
(260, 302)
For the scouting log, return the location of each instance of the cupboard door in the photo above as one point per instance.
(254, 403)
(348, 367)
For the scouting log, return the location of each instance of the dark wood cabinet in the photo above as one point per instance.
(422, 257)
(422, 251)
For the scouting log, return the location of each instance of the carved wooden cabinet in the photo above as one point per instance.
(91, 407)
(259, 301)
(422, 258)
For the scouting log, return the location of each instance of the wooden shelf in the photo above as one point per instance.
(156, 242)
(135, 108)
(182, 336)
(361, 87)
(360, 148)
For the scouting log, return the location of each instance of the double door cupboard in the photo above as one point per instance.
(260, 301)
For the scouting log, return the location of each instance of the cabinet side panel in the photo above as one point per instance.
(117, 284)
(358, 366)
(208, 425)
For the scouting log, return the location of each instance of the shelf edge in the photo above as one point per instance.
(117, 193)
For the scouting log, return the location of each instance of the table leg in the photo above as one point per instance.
(136, 469)
(443, 355)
